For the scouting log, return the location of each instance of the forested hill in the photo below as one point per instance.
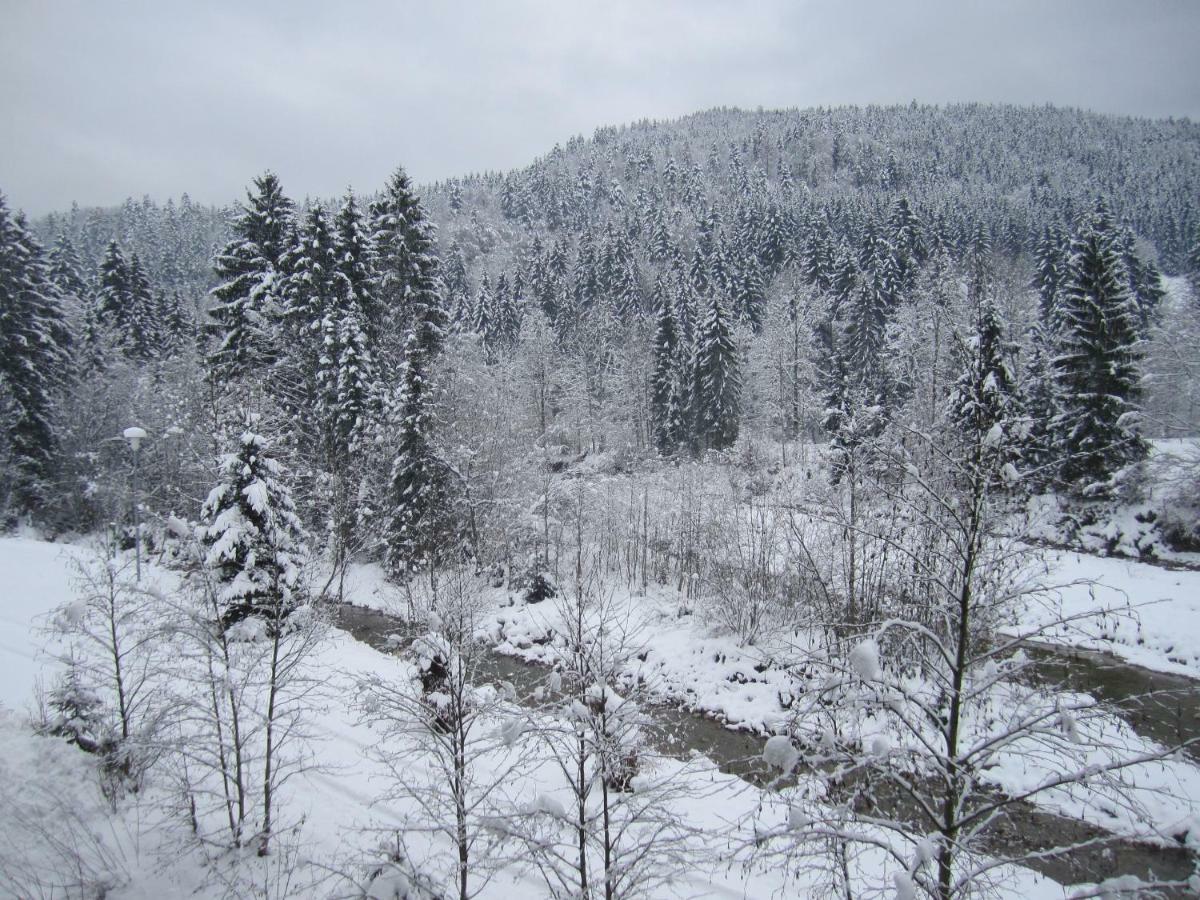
(794, 174)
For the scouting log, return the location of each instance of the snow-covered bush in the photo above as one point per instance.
(749, 582)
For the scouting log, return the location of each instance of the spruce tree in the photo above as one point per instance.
(252, 536)
(717, 382)
(247, 301)
(1040, 403)
(310, 292)
(114, 299)
(142, 333)
(356, 263)
(1145, 281)
(1097, 366)
(487, 316)
(866, 316)
(65, 269)
(665, 409)
(410, 284)
(983, 402)
(1050, 269)
(418, 533)
(34, 348)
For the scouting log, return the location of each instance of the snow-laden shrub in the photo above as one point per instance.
(76, 712)
(533, 582)
(749, 583)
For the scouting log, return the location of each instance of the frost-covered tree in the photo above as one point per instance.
(935, 699)
(253, 537)
(66, 270)
(410, 283)
(310, 297)
(983, 401)
(666, 408)
(448, 740)
(1039, 397)
(1097, 366)
(248, 625)
(249, 267)
(356, 262)
(114, 294)
(34, 348)
(142, 333)
(716, 399)
(111, 633)
(1051, 256)
(419, 530)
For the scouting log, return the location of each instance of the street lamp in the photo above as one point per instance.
(134, 435)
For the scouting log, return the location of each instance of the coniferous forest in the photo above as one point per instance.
(737, 505)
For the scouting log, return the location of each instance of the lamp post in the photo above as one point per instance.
(134, 435)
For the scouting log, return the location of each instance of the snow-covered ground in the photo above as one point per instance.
(1133, 529)
(753, 688)
(334, 807)
(1144, 614)
(35, 577)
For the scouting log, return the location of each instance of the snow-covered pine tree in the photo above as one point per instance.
(665, 409)
(356, 262)
(247, 301)
(906, 241)
(1097, 364)
(142, 335)
(418, 532)
(348, 398)
(34, 346)
(310, 293)
(358, 389)
(114, 295)
(866, 317)
(751, 294)
(717, 381)
(1050, 268)
(178, 322)
(65, 269)
(253, 537)
(1040, 409)
(982, 403)
(1145, 281)
(484, 319)
(410, 284)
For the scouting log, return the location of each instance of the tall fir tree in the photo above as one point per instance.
(142, 334)
(983, 406)
(34, 352)
(1040, 404)
(1050, 268)
(65, 269)
(410, 284)
(419, 528)
(717, 383)
(114, 297)
(356, 263)
(666, 411)
(1097, 364)
(310, 292)
(248, 300)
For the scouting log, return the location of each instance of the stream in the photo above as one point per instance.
(1170, 715)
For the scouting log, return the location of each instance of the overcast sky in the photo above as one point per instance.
(103, 100)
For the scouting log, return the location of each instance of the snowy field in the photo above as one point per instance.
(335, 817)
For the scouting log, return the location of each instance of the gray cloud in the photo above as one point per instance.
(100, 101)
